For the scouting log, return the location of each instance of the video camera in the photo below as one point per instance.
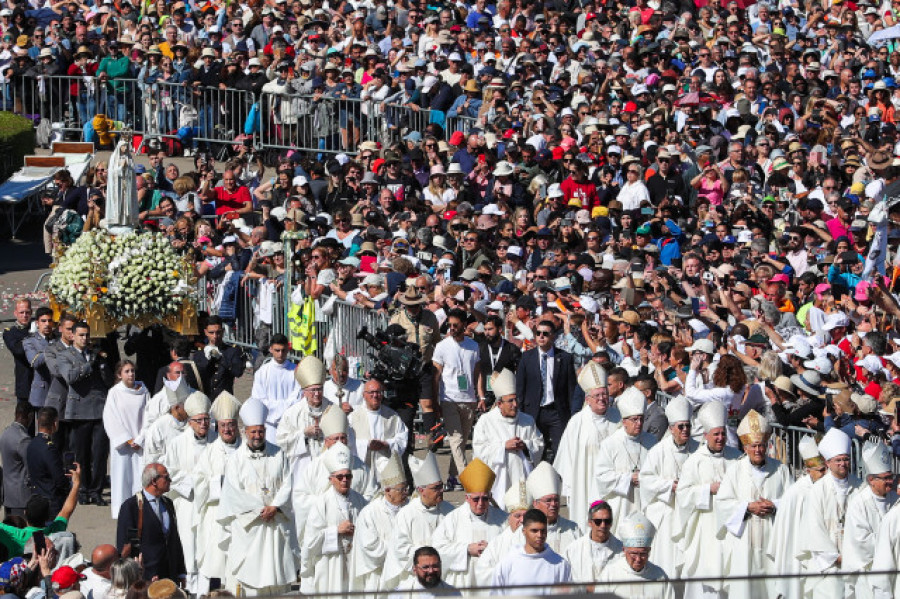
(396, 360)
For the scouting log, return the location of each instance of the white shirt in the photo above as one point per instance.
(548, 387)
(458, 362)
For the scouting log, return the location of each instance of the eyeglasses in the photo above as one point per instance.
(347, 476)
(200, 420)
(470, 239)
(163, 477)
(682, 426)
(479, 498)
(601, 521)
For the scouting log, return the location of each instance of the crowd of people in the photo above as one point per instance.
(662, 254)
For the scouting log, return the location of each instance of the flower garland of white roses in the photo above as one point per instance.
(131, 275)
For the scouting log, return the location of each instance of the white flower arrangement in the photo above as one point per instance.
(134, 276)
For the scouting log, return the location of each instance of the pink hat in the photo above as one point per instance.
(780, 278)
(822, 289)
(862, 291)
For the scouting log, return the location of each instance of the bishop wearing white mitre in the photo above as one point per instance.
(746, 505)
(416, 521)
(786, 532)
(517, 501)
(330, 528)
(544, 486)
(822, 520)
(255, 510)
(505, 439)
(375, 526)
(180, 458)
(464, 534)
(660, 484)
(208, 475)
(299, 435)
(315, 478)
(865, 512)
(696, 527)
(579, 448)
(621, 456)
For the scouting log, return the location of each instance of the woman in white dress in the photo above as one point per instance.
(123, 417)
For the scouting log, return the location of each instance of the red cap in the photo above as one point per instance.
(509, 133)
(558, 152)
(780, 278)
(457, 138)
(590, 16)
(455, 29)
(65, 577)
(630, 107)
(449, 214)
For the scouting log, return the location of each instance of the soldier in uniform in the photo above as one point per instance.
(219, 363)
(13, 338)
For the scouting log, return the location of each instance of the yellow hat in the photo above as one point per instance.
(753, 428)
(857, 188)
(599, 211)
(477, 477)
(575, 202)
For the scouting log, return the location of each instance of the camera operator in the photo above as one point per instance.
(422, 329)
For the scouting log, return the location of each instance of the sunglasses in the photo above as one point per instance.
(601, 521)
(543, 334)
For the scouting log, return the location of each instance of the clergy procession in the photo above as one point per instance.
(306, 487)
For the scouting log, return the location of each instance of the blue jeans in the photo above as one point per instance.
(87, 108)
(116, 106)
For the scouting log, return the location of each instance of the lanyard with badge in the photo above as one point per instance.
(494, 361)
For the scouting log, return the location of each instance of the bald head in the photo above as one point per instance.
(102, 558)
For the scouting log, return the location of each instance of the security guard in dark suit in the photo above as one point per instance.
(219, 363)
(46, 472)
(13, 338)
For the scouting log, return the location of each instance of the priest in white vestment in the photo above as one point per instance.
(534, 564)
(696, 528)
(544, 486)
(621, 456)
(173, 385)
(786, 531)
(822, 519)
(255, 510)
(299, 435)
(122, 419)
(208, 476)
(464, 534)
(590, 554)
(887, 557)
(505, 439)
(330, 528)
(374, 528)
(745, 506)
(274, 384)
(180, 458)
(164, 429)
(865, 512)
(341, 388)
(579, 447)
(416, 521)
(517, 501)
(659, 479)
(315, 478)
(376, 430)
(631, 574)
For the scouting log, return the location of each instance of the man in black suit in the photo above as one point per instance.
(545, 380)
(219, 363)
(149, 517)
(13, 338)
(44, 461)
(495, 354)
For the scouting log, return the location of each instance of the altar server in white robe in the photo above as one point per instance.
(122, 419)
(330, 528)
(340, 388)
(745, 506)
(544, 486)
(591, 553)
(173, 384)
(180, 458)
(416, 521)
(621, 456)
(208, 475)
(376, 430)
(464, 534)
(315, 478)
(517, 501)
(505, 439)
(865, 512)
(579, 447)
(374, 528)
(164, 429)
(659, 480)
(887, 556)
(696, 528)
(822, 519)
(632, 574)
(299, 435)
(786, 530)
(534, 564)
(255, 510)
(274, 383)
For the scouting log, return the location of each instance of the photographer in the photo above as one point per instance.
(88, 370)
